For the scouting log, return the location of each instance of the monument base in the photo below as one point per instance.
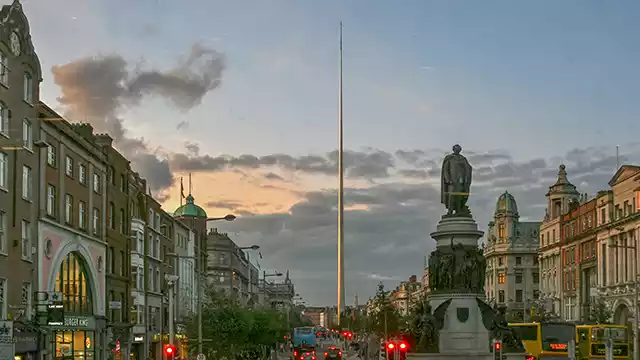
(457, 229)
(463, 330)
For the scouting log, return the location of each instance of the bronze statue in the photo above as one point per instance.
(455, 183)
(495, 320)
(429, 325)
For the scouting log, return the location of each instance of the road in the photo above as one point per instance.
(322, 346)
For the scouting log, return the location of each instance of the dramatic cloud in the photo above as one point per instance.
(387, 225)
(96, 89)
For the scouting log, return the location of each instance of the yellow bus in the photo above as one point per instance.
(591, 341)
(546, 340)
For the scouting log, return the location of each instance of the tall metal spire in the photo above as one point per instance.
(341, 295)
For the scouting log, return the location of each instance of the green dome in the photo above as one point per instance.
(190, 209)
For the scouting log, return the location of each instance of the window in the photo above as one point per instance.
(518, 295)
(112, 219)
(81, 215)
(140, 237)
(27, 134)
(69, 166)
(4, 119)
(536, 278)
(156, 249)
(25, 298)
(4, 70)
(140, 278)
(501, 278)
(51, 200)
(82, 174)
(518, 278)
(51, 156)
(26, 182)
(3, 236)
(26, 240)
(123, 263)
(501, 231)
(156, 282)
(96, 221)
(500, 261)
(110, 260)
(4, 170)
(518, 260)
(501, 296)
(134, 277)
(123, 185)
(3, 298)
(28, 88)
(96, 183)
(122, 221)
(68, 209)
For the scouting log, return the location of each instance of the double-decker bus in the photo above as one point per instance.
(592, 340)
(546, 340)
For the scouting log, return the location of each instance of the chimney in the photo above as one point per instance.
(85, 130)
(103, 140)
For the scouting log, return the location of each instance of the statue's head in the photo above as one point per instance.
(457, 149)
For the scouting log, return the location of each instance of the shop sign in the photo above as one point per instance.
(138, 339)
(6, 331)
(26, 342)
(80, 322)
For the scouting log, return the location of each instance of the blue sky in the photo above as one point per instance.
(534, 79)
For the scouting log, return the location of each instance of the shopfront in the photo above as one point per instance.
(81, 336)
(26, 345)
(137, 348)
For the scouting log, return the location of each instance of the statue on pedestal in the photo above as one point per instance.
(455, 183)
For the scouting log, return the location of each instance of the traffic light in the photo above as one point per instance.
(170, 351)
(349, 334)
(497, 349)
(402, 348)
(391, 351)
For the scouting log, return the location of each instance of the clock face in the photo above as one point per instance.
(15, 43)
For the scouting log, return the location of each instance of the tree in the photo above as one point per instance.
(384, 315)
(239, 332)
(600, 312)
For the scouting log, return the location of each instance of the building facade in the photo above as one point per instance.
(618, 217)
(559, 196)
(578, 241)
(511, 253)
(72, 237)
(20, 170)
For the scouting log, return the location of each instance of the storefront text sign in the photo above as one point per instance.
(77, 322)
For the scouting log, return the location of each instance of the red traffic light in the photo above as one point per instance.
(169, 350)
(391, 346)
(403, 346)
(349, 335)
(497, 346)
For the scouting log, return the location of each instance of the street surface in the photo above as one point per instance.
(320, 349)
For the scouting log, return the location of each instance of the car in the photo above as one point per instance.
(333, 353)
(306, 355)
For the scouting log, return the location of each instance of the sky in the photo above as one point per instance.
(243, 94)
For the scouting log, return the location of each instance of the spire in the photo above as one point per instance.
(355, 301)
(189, 183)
(562, 175)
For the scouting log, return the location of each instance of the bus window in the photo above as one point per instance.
(527, 333)
(583, 334)
(557, 336)
(304, 331)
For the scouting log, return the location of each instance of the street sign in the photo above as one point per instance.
(201, 356)
(6, 331)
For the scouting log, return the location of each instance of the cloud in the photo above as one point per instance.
(388, 225)
(96, 89)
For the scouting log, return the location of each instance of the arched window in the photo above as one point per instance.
(73, 282)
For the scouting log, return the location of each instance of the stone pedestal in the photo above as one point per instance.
(463, 334)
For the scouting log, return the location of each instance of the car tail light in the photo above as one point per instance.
(313, 358)
(295, 353)
(301, 357)
(333, 348)
(326, 353)
(340, 353)
(530, 357)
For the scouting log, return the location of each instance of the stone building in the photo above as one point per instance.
(560, 195)
(512, 276)
(578, 242)
(72, 237)
(20, 170)
(618, 218)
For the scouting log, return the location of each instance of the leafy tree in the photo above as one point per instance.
(239, 333)
(384, 314)
(600, 312)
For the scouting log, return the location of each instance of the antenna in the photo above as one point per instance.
(189, 183)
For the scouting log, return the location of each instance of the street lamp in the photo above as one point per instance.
(228, 217)
(171, 279)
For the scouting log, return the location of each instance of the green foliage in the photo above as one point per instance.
(237, 332)
(299, 320)
(600, 312)
(384, 312)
